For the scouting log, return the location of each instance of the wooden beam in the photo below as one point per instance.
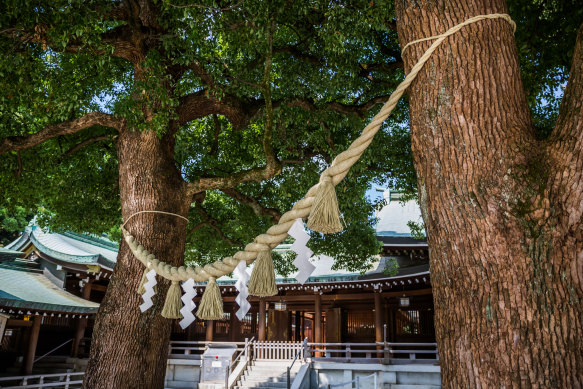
(334, 297)
(81, 322)
(261, 330)
(235, 325)
(378, 317)
(210, 324)
(318, 319)
(18, 323)
(32, 342)
(100, 288)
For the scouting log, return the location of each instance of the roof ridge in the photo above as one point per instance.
(86, 238)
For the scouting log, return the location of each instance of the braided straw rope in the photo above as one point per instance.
(336, 172)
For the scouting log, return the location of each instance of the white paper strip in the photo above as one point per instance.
(149, 293)
(189, 305)
(302, 261)
(242, 277)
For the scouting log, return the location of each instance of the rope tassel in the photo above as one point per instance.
(262, 282)
(211, 304)
(325, 214)
(173, 302)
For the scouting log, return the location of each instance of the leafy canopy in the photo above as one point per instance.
(204, 72)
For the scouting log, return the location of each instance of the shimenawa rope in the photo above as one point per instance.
(335, 173)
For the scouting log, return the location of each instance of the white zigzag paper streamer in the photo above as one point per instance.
(302, 261)
(240, 272)
(189, 305)
(149, 293)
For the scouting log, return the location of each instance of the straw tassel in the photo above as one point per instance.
(262, 282)
(173, 303)
(325, 215)
(141, 289)
(211, 304)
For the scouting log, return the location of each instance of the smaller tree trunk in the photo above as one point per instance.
(129, 349)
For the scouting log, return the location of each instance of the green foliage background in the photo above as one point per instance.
(329, 59)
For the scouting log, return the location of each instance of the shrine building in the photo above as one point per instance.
(51, 285)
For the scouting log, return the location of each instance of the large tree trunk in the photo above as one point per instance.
(502, 209)
(129, 349)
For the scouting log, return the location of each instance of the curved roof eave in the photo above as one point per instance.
(46, 307)
(19, 243)
(78, 259)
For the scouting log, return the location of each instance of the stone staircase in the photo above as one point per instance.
(267, 374)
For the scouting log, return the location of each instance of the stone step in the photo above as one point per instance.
(273, 368)
(258, 387)
(269, 379)
(182, 385)
(258, 377)
(269, 373)
(253, 384)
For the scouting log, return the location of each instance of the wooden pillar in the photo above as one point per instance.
(235, 325)
(378, 317)
(254, 323)
(3, 322)
(289, 326)
(261, 330)
(32, 342)
(81, 323)
(318, 319)
(378, 320)
(210, 324)
(298, 322)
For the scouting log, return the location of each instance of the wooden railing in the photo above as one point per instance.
(194, 349)
(55, 381)
(398, 353)
(277, 350)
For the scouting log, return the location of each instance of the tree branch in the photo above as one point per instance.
(347, 109)
(86, 142)
(257, 208)
(121, 38)
(198, 105)
(15, 143)
(215, 145)
(213, 223)
(272, 166)
(201, 72)
(208, 7)
(565, 151)
(570, 121)
(196, 227)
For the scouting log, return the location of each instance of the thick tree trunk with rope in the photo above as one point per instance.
(124, 338)
(503, 210)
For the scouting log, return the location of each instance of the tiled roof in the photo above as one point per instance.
(7, 254)
(69, 247)
(26, 288)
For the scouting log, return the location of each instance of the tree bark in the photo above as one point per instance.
(503, 214)
(129, 348)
